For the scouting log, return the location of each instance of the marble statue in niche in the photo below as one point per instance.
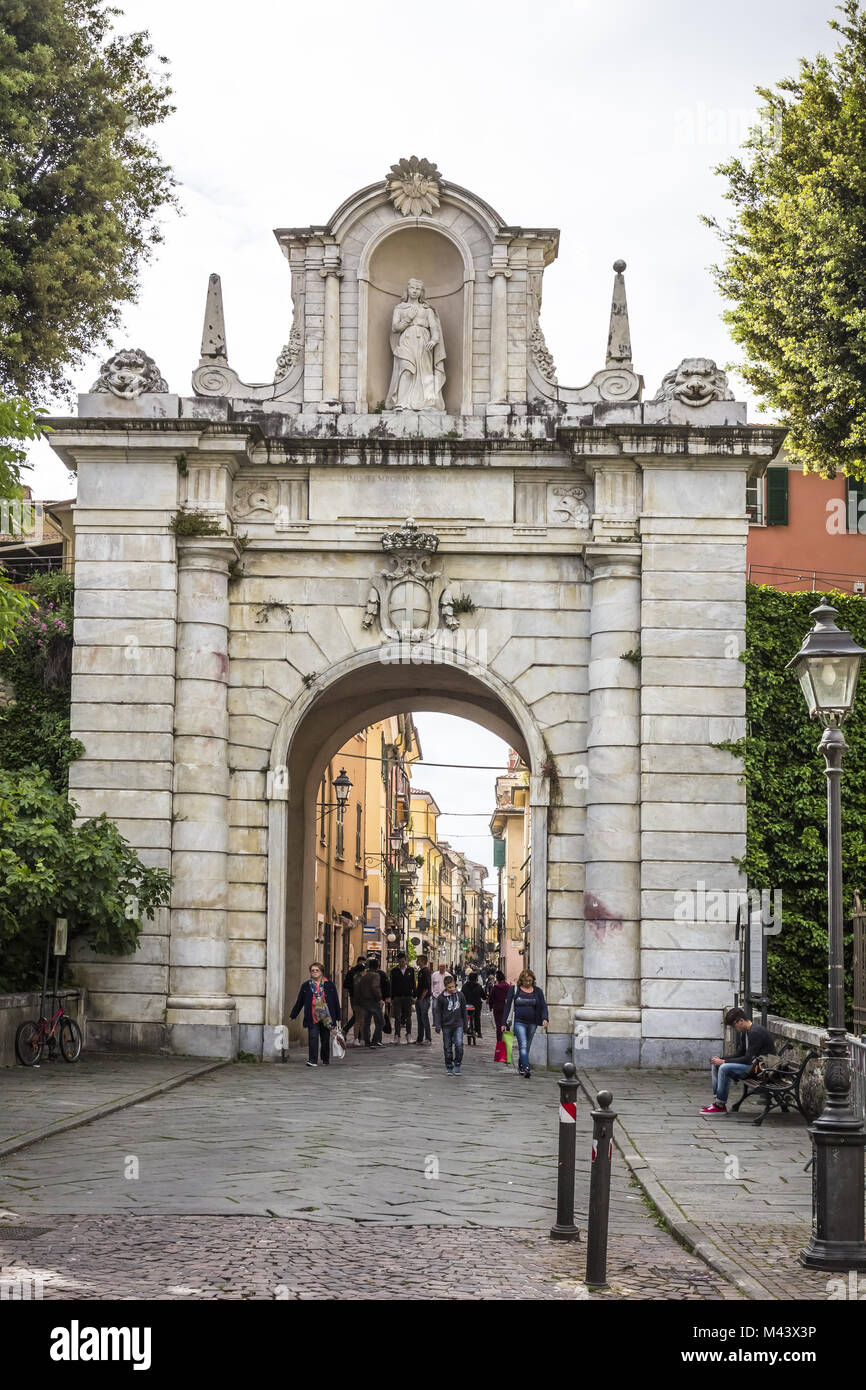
(419, 354)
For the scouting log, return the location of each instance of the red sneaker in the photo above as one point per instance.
(714, 1109)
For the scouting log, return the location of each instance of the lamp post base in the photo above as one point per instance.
(837, 1241)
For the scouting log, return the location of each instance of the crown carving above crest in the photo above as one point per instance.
(410, 537)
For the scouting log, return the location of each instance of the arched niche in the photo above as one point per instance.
(422, 252)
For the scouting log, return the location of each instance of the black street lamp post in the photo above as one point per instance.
(827, 667)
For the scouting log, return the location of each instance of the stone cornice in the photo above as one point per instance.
(651, 444)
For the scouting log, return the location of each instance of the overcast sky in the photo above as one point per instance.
(604, 118)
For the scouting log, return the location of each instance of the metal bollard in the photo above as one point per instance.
(599, 1191)
(565, 1228)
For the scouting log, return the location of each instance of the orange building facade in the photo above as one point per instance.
(806, 532)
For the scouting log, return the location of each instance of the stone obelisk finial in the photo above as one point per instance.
(619, 337)
(213, 338)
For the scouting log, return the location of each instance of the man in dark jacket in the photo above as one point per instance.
(351, 985)
(403, 991)
(474, 993)
(423, 1000)
(369, 996)
(759, 1042)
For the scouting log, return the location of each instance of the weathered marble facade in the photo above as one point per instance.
(601, 539)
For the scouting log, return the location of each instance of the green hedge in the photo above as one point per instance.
(787, 796)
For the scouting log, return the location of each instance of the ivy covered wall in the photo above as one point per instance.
(787, 796)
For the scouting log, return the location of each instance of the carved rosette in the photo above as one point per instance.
(414, 186)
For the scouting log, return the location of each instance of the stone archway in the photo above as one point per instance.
(356, 692)
(591, 545)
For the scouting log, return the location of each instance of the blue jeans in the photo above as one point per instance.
(524, 1033)
(422, 1010)
(452, 1041)
(724, 1075)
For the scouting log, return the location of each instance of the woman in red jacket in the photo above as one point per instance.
(496, 1000)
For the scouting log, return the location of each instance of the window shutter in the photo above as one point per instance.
(777, 497)
(855, 512)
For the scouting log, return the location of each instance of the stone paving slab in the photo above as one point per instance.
(254, 1258)
(333, 1183)
(35, 1100)
(738, 1192)
(351, 1142)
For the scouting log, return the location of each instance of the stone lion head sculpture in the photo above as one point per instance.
(695, 382)
(128, 374)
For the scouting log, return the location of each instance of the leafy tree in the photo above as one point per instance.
(34, 729)
(787, 796)
(795, 266)
(49, 867)
(17, 423)
(81, 183)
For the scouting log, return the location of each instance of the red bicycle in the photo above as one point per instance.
(58, 1031)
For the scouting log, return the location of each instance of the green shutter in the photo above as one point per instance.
(395, 895)
(855, 492)
(499, 854)
(777, 497)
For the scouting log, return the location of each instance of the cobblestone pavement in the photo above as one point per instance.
(174, 1257)
(32, 1097)
(744, 1186)
(337, 1181)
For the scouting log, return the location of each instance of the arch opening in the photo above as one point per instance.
(308, 739)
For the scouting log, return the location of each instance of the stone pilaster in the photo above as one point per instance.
(500, 274)
(610, 1016)
(201, 1016)
(331, 274)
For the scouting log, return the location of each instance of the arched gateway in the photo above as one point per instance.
(415, 516)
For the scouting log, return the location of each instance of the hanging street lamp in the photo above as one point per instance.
(342, 787)
(827, 666)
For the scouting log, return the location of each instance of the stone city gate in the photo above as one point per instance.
(413, 449)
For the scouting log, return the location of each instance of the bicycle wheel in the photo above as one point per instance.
(70, 1040)
(27, 1044)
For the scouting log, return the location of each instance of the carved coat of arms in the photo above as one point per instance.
(409, 601)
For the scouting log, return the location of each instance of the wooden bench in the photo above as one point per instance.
(778, 1086)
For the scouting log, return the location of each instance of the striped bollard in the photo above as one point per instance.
(565, 1228)
(599, 1191)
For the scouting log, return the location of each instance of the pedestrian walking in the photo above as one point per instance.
(351, 984)
(403, 990)
(449, 1019)
(437, 982)
(370, 999)
(474, 995)
(496, 1000)
(530, 1013)
(423, 1000)
(321, 1005)
(759, 1042)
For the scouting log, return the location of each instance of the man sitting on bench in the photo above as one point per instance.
(728, 1069)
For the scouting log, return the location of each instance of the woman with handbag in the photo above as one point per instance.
(321, 1005)
(530, 1012)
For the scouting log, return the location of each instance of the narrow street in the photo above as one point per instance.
(379, 1177)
